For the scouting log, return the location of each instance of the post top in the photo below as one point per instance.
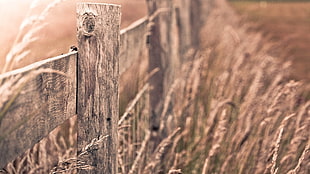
(95, 3)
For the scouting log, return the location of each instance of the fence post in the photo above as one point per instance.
(163, 54)
(98, 74)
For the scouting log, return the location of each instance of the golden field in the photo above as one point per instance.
(287, 25)
(232, 108)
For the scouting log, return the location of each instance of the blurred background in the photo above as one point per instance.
(284, 23)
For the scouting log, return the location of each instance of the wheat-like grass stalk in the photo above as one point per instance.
(168, 98)
(74, 163)
(140, 153)
(300, 160)
(93, 145)
(70, 165)
(218, 138)
(132, 104)
(273, 169)
(28, 29)
(175, 171)
(160, 152)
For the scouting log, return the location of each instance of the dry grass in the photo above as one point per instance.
(232, 109)
(51, 151)
(248, 116)
(46, 154)
(27, 34)
(287, 24)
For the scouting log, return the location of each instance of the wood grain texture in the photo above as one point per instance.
(163, 52)
(98, 74)
(133, 43)
(44, 99)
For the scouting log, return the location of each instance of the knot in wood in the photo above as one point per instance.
(89, 24)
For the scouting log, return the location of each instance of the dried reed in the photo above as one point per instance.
(28, 30)
(225, 113)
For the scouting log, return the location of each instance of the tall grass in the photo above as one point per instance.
(247, 116)
(11, 86)
(232, 109)
(28, 33)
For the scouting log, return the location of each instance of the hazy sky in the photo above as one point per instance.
(58, 29)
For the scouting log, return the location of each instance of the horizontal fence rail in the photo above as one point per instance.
(41, 97)
(133, 38)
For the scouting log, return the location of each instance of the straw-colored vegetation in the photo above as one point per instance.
(287, 25)
(233, 109)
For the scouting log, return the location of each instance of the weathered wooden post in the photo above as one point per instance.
(183, 15)
(98, 73)
(163, 54)
(160, 54)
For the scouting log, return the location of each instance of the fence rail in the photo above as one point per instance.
(43, 97)
(86, 83)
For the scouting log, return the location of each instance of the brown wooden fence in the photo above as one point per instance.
(86, 83)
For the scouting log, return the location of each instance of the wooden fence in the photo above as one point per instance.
(86, 82)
